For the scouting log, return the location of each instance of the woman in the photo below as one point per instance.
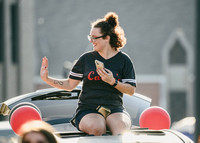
(37, 132)
(100, 104)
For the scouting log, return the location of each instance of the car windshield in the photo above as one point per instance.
(60, 95)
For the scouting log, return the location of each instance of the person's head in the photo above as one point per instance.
(107, 29)
(37, 132)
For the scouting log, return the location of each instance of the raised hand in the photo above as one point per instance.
(44, 69)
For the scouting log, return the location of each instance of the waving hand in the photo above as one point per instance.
(44, 69)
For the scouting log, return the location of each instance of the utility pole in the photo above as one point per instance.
(197, 73)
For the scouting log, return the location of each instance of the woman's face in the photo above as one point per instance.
(34, 137)
(98, 44)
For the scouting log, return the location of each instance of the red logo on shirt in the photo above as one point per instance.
(92, 77)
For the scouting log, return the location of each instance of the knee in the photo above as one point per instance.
(93, 124)
(124, 125)
(96, 129)
(119, 127)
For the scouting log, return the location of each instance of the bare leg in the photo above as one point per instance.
(118, 123)
(93, 124)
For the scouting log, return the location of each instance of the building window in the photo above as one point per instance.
(177, 54)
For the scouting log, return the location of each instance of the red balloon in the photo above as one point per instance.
(22, 115)
(155, 118)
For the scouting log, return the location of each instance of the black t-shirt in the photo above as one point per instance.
(95, 91)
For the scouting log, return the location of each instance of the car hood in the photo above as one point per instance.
(134, 136)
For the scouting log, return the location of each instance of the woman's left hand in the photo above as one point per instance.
(106, 75)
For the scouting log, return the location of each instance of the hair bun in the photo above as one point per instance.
(112, 19)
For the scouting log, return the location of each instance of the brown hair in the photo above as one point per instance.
(109, 25)
(39, 127)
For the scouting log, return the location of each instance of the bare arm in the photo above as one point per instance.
(107, 76)
(66, 84)
(125, 88)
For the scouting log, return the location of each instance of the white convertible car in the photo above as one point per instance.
(58, 106)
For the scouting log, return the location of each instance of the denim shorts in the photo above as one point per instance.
(82, 113)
